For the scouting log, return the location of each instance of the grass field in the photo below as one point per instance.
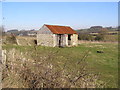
(105, 64)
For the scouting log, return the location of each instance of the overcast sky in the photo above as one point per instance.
(78, 15)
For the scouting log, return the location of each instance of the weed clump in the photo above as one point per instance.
(11, 39)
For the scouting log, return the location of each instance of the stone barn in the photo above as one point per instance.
(57, 36)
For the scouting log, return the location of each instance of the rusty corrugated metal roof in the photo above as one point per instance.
(61, 29)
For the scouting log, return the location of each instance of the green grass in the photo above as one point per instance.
(105, 64)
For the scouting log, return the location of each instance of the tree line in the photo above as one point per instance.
(102, 35)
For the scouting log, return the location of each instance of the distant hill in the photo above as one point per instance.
(96, 29)
(22, 32)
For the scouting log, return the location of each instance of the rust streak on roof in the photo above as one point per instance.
(61, 29)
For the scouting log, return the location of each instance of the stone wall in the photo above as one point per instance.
(74, 40)
(55, 40)
(45, 40)
(3, 61)
(45, 37)
(65, 40)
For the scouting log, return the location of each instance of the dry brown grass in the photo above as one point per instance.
(22, 72)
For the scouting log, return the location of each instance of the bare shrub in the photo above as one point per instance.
(10, 39)
(44, 74)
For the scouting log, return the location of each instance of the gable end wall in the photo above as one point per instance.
(45, 37)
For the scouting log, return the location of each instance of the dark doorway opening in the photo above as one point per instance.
(35, 42)
(69, 39)
(60, 40)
